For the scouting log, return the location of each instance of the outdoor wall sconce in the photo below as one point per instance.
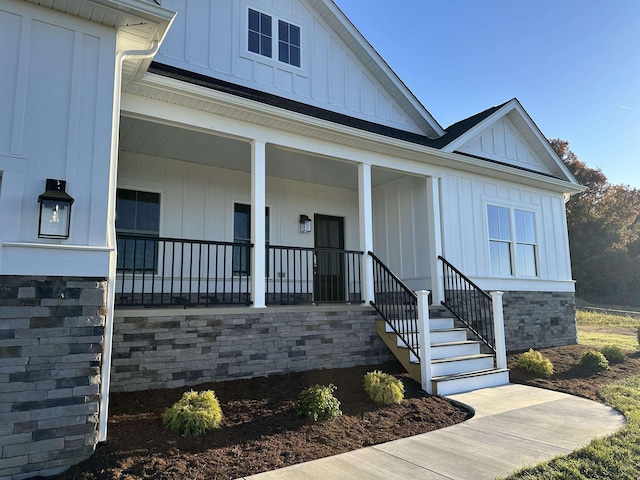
(305, 224)
(55, 210)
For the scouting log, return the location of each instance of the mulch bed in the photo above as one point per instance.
(262, 432)
(569, 376)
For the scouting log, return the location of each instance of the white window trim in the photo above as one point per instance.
(303, 69)
(513, 243)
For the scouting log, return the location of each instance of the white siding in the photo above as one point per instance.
(56, 101)
(400, 229)
(210, 37)
(197, 200)
(501, 141)
(465, 199)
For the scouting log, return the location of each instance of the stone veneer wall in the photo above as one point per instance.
(167, 350)
(51, 340)
(539, 319)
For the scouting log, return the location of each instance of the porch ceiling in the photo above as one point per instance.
(160, 140)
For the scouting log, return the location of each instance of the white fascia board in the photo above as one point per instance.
(513, 105)
(248, 120)
(349, 31)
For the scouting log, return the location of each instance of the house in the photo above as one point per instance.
(140, 144)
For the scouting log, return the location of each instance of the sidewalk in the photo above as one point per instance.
(513, 426)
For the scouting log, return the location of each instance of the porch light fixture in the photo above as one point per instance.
(305, 224)
(55, 210)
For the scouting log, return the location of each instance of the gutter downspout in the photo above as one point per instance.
(111, 236)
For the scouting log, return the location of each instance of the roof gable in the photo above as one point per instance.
(506, 134)
(339, 70)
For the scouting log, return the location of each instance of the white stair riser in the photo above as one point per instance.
(447, 351)
(449, 387)
(434, 324)
(461, 366)
(444, 336)
(440, 323)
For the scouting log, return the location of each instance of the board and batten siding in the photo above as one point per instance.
(56, 107)
(400, 229)
(466, 244)
(196, 201)
(502, 141)
(210, 38)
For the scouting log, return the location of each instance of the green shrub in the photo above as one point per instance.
(536, 363)
(318, 402)
(594, 360)
(383, 388)
(613, 353)
(194, 413)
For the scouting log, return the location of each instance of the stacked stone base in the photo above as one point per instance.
(539, 320)
(51, 340)
(168, 350)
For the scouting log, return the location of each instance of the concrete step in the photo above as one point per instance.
(465, 382)
(454, 349)
(455, 365)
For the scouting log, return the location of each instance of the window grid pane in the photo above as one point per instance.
(288, 43)
(259, 35)
(137, 213)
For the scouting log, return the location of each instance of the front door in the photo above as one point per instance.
(329, 281)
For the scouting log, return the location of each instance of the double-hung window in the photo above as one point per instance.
(138, 215)
(513, 248)
(260, 38)
(242, 235)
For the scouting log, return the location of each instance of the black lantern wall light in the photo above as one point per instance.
(55, 210)
(305, 224)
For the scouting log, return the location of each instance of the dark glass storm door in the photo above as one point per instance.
(329, 281)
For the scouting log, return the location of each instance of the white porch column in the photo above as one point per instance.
(434, 227)
(366, 229)
(498, 328)
(258, 205)
(424, 339)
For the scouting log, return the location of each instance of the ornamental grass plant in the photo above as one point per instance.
(194, 414)
(384, 389)
(536, 363)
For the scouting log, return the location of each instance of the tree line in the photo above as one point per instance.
(604, 235)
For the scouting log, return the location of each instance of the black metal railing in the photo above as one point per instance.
(397, 304)
(313, 275)
(468, 303)
(161, 271)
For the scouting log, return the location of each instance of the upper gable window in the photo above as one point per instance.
(265, 37)
(260, 38)
(288, 43)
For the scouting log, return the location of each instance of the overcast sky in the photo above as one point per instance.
(573, 64)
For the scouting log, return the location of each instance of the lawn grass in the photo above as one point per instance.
(612, 457)
(599, 329)
(599, 339)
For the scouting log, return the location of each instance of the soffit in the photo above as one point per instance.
(154, 139)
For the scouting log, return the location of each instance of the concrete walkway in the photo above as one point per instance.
(513, 426)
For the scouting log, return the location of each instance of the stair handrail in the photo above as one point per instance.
(468, 303)
(396, 303)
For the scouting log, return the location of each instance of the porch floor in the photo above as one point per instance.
(513, 426)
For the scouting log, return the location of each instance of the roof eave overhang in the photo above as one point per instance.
(223, 104)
